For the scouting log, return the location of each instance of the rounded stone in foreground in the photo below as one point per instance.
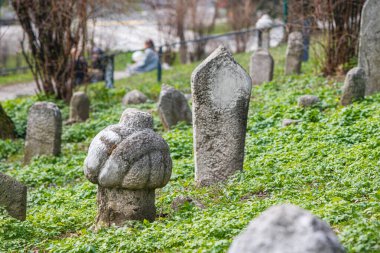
(354, 86)
(287, 229)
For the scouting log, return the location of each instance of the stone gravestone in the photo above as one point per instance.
(13, 196)
(7, 128)
(79, 107)
(173, 107)
(369, 46)
(263, 25)
(221, 92)
(44, 128)
(294, 53)
(287, 229)
(128, 161)
(261, 67)
(354, 86)
(134, 97)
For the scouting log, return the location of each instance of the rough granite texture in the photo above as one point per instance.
(294, 52)
(128, 161)
(369, 46)
(308, 100)
(79, 107)
(134, 97)
(221, 91)
(173, 107)
(261, 67)
(7, 128)
(286, 229)
(354, 86)
(44, 129)
(13, 196)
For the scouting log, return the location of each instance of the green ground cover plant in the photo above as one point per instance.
(328, 164)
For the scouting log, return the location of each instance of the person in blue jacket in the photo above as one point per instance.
(144, 61)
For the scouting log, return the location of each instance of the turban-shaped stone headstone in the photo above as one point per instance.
(128, 161)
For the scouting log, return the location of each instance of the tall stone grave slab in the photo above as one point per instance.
(294, 53)
(79, 107)
(354, 86)
(221, 92)
(173, 107)
(369, 45)
(13, 196)
(44, 128)
(287, 229)
(261, 67)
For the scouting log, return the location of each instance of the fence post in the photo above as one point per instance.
(159, 66)
(108, 76)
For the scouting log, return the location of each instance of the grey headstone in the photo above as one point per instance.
(128, 161)
(354, 86)
(288, 122)
(173, 107)
(286, 229)
(221, 92)
(294, 53)
(79, 107)
(44, 129)
(369, 46)
(13, 196)
(134, 97)
(308, 100)
(261, 67)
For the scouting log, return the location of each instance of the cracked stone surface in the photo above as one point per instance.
(13, 196)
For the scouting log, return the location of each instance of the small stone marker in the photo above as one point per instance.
(173, 107)
(286, 229)
(221, 92)
(369, 46)
(134, 97)
(288, 122)
(79, 107)
(44, 129)
(13, 196)
(354, 86)
(308, 100)
(128, 161)
(261, 67)
(7, 128)
(294, 53)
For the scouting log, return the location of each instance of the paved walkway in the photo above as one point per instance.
(13, 91)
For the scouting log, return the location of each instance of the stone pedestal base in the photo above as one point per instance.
(115, 206)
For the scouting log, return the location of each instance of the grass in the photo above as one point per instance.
(328, 164)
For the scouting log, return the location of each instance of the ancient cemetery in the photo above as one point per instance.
(190, 126)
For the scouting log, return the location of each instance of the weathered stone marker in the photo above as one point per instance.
(308, 100)
(294, 53)
(44, 129)
(128, 161)
(221, 92)
(287, 229)
(354, 86)
(134, 97)
(173, 107)
(369, 46)
(261, 67)
(79, 107)
(13, 196)
(7, 128)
